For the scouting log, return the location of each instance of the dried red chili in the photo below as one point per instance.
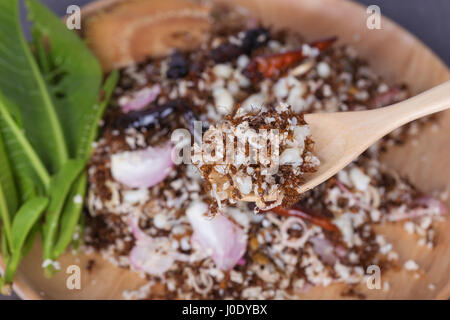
(272, 65)
(296, 212)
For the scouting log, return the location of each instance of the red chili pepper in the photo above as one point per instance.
(271, 66)
(322, 222)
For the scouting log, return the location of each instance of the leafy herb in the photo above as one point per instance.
(23, 223)
(79, 228)
(59, 189)
(77, 76)
(25, 219)
(5, 216)
(7, 180)
(50, 107)
(70, 216)
(26, 187)
(91, 128)
(22, 155)
(8, 193)
(23, 84)
(5, 249)
(72, 210)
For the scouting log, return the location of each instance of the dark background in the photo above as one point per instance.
(429, 20)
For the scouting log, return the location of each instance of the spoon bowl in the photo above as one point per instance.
(340, 137)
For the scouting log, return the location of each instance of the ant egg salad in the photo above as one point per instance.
(191, 141)
(258, 155)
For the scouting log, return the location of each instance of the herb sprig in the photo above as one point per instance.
(51, 102)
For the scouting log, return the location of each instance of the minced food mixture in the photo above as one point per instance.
(147, 214)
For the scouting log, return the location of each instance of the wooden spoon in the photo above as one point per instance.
(340, 137)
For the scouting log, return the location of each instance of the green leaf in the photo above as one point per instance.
(7, 179)
(30, 239)
(24, 221)
(60, 186)
(91, 127)
(5, 246)
(23, 84)
(71, 215)
(5, 217)
(8, 193)
(79, 75)
(49, 113)
(77, 242)
(6, 255)
(22, 155)
(41, 54)
(26, 187)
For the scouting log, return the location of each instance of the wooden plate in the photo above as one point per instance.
(120, 32)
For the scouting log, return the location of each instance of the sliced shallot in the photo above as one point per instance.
(142, 168)
(152, 255)
(427, 206)
(431, 202)
(294, 222)
(222, 239)
(142, 98)
(327, 251)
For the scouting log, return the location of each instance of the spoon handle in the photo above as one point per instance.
(428, 102)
